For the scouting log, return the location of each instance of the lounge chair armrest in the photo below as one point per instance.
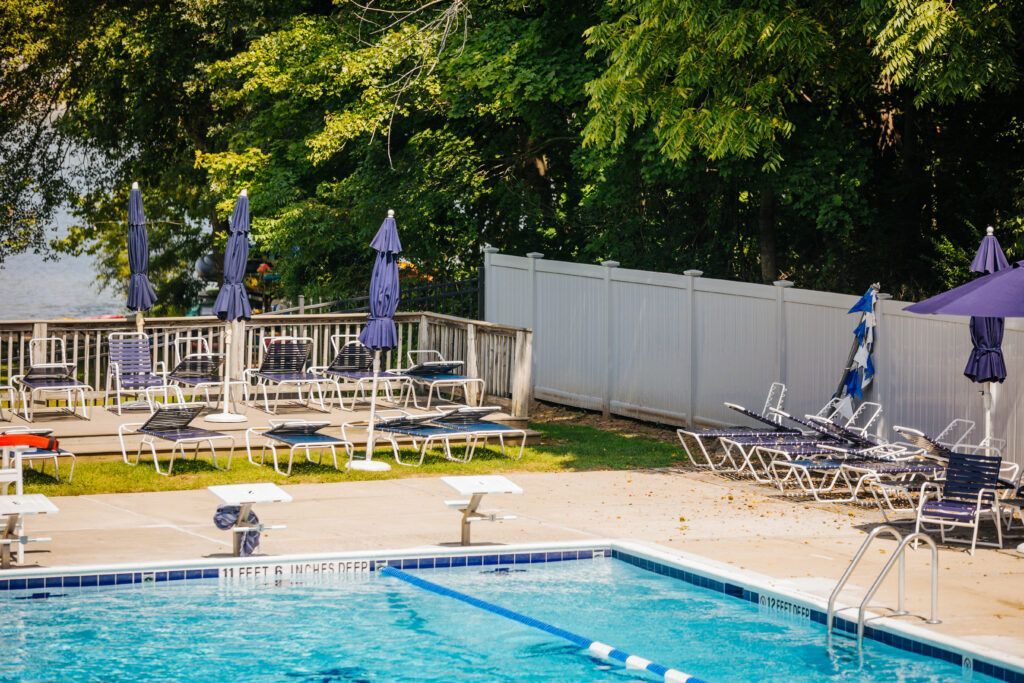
(248, 373)
(123, 428)
(160, 368)
(929, 490)
(779, 411)
(318, 369)
(990, 491)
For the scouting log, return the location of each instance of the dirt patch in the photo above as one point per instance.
(549, 412)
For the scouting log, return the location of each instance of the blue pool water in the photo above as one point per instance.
(376, 628)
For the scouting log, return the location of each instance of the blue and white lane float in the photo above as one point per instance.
(600, 649)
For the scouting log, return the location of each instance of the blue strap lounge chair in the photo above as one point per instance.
(297, 435)
(198, 372)
(284, 365)
(50, 373)
(474, 422)
(173, 423)
(466, 426)
(429, 370)
(392, 425)
(702, 438)
(131, 370)
(43, 450)
(352, 370)
(968, 493)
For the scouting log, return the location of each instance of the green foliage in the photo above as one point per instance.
(945, 51)
(834, 143)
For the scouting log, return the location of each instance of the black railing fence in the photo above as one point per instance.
(462, 298)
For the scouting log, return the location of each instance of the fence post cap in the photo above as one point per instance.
(783, 283)
(488, 249)
(610, 264)
(535, 254)
(693, 272)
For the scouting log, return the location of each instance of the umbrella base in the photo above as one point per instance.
(225, 417)
(369, 466)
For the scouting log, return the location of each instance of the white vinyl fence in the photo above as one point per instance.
(666, 347)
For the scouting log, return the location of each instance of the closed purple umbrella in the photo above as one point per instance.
(141, 296)
(232, 301)
(985, 363)
(380, 333)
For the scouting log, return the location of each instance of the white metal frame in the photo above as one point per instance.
(438, 385)
(217, 385)
(307, 447)
(27, 395)
(933, 491)
(131, 428)
(362, 387)
(158, 368)
(34, 454)
(262, 383)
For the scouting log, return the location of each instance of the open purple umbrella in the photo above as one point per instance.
(988, 299)
(232, 303)
(380, 333)
(141, 296)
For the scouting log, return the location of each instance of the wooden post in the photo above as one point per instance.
(473, 395)
(609, 338)
(422, 336)
(780, 328)
(522, 374)
(691, 346)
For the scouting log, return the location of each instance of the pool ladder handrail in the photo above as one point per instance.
(899, 555)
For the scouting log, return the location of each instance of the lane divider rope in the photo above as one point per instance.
(595, 647)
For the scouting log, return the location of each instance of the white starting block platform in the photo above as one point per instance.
(245, 496)
(13, 510)
(476, 487)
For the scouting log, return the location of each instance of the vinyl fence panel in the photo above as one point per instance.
(661, 346)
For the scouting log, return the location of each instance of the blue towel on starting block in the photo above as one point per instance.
(227, 516)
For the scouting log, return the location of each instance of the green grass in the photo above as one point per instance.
(563, 447)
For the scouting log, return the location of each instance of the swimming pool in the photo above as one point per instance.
(333, 621)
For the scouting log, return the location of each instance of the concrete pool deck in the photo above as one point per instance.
(803, 546)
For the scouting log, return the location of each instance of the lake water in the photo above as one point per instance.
(33, 287)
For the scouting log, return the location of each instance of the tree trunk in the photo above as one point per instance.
(766, 236)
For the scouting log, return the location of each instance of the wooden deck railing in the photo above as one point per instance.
(499, 354)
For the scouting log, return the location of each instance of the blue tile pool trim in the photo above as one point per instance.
(971, 662)
(123, 578)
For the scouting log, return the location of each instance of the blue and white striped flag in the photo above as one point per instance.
(860, 369)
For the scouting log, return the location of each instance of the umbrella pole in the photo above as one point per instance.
(225, 415)
(989, 401)
(373, 405)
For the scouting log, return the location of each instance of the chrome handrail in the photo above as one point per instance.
(872, 535)
(899, 554)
